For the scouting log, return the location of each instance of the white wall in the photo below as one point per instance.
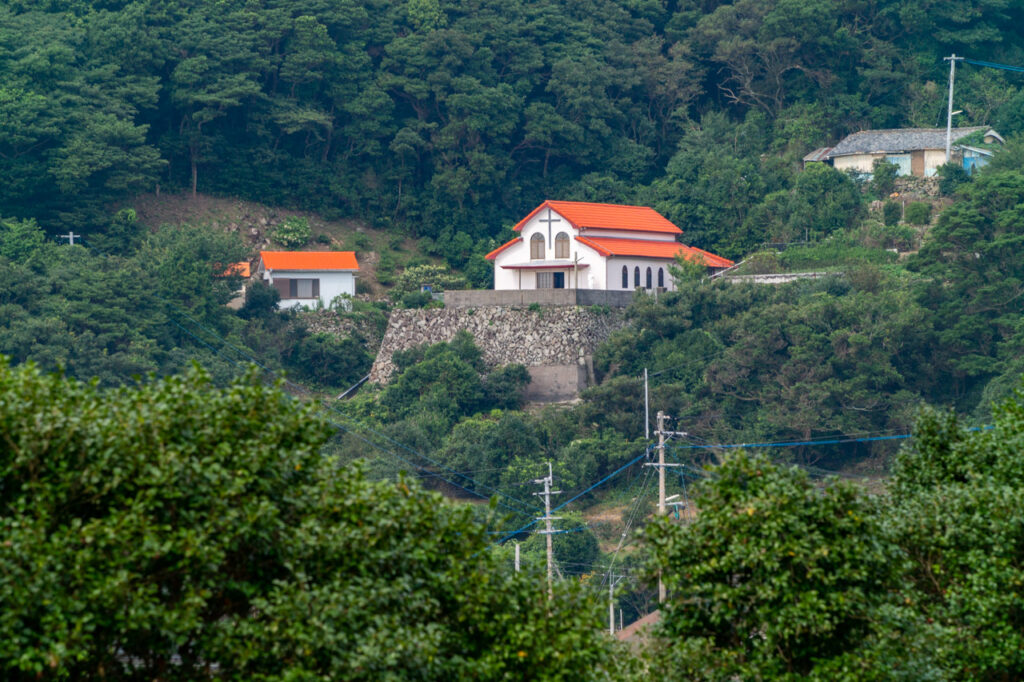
(627, 234)
(933, 158)
(614, 272)
(332, 284)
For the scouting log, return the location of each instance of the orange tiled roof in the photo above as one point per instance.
(643, 248)
(607, 217)
(493, 254)
(309, 260)
(239, 269)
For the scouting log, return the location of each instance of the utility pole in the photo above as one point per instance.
(661, 464)
(517, 557)
(952, 59)
(547, 519)
(647, 409)
(611, 605)
(70, 236)
(661, 489)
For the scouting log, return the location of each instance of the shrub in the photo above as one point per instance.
(951, 176)
(919, 213)
(891, 212)
(883, 177)
(323, 239)
(293, 232)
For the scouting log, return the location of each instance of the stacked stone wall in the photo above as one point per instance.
(556, 337)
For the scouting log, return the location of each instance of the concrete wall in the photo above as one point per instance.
(474, 298)
(556, 343)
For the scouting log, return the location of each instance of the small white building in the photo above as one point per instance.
(581, 245)
(306, 278)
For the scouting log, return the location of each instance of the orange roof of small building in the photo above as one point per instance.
(644, 248)
(239, 269)
(309, 260)
(584, 215)
(493, 254)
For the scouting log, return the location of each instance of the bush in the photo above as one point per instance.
(260, 301)
(437, 277)
(417, 299)
(891, 212)
(951, 176)
(328, 360)
(293, 232)
(323, 239)
(883, 177)
(919, 213)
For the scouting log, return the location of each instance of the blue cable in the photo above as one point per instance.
(993, 65)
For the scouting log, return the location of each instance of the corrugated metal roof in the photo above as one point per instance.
(642, 248)
(897, 140)
(309, 260)
(606, 217)
(819, 154)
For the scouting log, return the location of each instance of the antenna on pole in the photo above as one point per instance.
(952, 59)
(547, 519)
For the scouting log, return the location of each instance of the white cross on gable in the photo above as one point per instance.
(550, 220)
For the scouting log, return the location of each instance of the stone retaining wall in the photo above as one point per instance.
(556, 342)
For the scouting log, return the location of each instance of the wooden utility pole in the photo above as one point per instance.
(547, 519)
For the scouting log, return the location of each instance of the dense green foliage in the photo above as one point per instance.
(451, 119)
(156, 306)
(177, 530)
(778, 578)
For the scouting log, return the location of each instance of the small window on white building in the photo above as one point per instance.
(303, 288)
(649, 281)
(545, 280)
(562, 245)
(625, 277)
(537, 246)
(661, 278)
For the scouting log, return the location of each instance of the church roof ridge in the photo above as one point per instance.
(586, 214)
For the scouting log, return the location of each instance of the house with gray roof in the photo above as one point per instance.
(917, 151)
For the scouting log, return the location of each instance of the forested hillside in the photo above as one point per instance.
(450, 119)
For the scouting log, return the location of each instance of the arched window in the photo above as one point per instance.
(649, 282)
(661, 277)
(636, 277)
(625, 277)
(537, 246)
(562, 245)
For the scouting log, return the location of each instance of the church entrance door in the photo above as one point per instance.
(559, 280)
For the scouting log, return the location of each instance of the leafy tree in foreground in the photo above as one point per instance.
(774, 579)
(177, 530)
(958, 502)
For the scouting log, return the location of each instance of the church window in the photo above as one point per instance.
(661, 277)
(562, 245)
(636, 277)
(625, 277)
(545, 280)
(537, 246)
(648, 278)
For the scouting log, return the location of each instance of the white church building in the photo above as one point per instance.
(580, 245)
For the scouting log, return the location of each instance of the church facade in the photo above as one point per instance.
(582, 245)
